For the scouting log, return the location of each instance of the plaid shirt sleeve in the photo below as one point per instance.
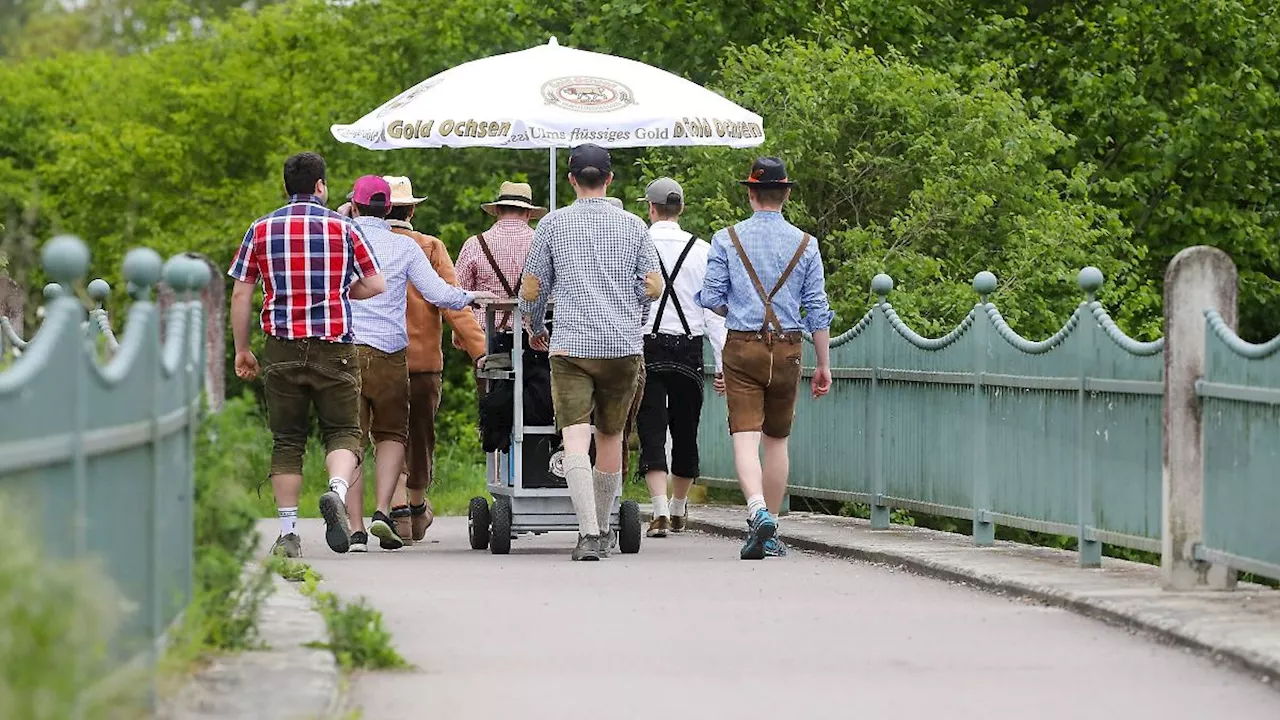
(715, 284)
(813, 295)
(245, 267)
(365, 262)
(433, 288)
(466, 266)
(646, 263)
(538, 267)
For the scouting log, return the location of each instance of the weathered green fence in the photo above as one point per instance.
(100, 455)
(1063, 435)
(1240, 393)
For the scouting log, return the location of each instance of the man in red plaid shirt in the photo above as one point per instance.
(312, 262)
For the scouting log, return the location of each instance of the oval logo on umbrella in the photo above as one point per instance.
(587, 94)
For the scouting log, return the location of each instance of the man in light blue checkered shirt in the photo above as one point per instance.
(602, 269)
(381, 339)
(761, 273)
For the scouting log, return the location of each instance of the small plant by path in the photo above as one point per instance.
(357, 638)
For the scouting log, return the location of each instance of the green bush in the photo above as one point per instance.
(58, 619)
(224, 612)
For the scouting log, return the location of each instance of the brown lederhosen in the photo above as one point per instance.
(762, 368)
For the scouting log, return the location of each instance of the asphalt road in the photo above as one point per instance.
(685, 629)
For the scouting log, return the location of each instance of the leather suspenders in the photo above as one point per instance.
(770, 317)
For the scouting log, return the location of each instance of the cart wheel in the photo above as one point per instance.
(478, 523)
(629, 527)
(500, 536)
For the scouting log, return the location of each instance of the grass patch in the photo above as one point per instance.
(293, 570)
(357, 638)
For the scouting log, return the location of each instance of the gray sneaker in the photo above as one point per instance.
(336, 530)
(588, 548)
(608, 542)
(289, 546)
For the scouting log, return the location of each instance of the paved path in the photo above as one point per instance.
(685, 629)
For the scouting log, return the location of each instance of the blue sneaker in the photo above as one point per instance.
(774, 547)
(760, 529)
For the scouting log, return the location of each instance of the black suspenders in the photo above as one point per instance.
(669, 292)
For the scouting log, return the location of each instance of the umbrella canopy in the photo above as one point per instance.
(551, 96)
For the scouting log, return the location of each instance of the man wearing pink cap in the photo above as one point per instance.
(381, 339)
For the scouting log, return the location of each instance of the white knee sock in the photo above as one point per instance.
(660, 506)
(607, 486)
(678, 507)
(755, 503)
(288, 519)
(577, 474)
(339, 486)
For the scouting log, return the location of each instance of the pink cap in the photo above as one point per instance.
(367, 187)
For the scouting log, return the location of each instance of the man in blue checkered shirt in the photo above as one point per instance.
(602, 269)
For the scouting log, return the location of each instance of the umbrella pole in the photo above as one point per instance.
(551, 171)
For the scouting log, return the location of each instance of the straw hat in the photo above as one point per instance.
(401, 191)
(518, 195)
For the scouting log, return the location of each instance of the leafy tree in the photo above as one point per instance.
(901, 171)
(1175, 103)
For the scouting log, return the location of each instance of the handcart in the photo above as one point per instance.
(526, 479)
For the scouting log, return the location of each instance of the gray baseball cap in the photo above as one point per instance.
(661, 190)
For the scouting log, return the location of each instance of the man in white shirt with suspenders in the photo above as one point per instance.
(763, 345)
(672, 399)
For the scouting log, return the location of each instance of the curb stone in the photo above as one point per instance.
(1239, 628)
(285, 680)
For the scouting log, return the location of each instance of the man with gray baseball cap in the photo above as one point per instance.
(672, 399)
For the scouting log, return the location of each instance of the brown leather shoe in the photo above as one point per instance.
(658, 527)
(679, 523)
(421, 518)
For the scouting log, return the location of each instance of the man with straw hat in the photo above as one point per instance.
(760, 274)
(412, 510)
(493, 260)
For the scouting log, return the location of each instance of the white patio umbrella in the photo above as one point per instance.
(554, 97)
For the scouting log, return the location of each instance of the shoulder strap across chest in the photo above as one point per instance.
(770, 317)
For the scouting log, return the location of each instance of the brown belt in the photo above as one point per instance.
(766, 336)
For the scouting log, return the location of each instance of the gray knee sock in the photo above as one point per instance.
(607, 486)
(577, 474)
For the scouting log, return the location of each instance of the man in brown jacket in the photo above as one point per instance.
(425, 358)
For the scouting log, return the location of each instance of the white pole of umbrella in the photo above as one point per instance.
(551, 203)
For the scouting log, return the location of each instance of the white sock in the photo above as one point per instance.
(755, 503)
(577, 475)
(660, 507)
(288, 520)
(678, 507)
(607, 487)
(339, 486)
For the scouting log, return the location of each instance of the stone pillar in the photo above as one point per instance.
(214, 297)
(1199, 278)
(12, 301)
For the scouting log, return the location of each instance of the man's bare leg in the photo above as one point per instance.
(777, 467)
(355, 501)
(746, 458)
(388, 462)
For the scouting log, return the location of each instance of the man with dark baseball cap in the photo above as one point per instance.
(603, 272)
(760, 273)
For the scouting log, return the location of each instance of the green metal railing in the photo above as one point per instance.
(101, 454)
(1058, 436)
(1240, 397)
